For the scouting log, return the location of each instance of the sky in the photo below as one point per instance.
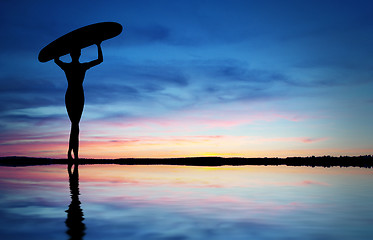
(193, 78)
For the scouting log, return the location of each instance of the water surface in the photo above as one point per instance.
(184, 202)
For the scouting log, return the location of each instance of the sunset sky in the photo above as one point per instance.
(193, 78)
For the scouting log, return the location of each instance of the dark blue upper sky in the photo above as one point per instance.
(276, 77)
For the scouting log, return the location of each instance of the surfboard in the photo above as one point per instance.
(80, 38)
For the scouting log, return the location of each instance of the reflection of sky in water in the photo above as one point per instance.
(176, 202)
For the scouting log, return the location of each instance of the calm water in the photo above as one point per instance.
(179, 202)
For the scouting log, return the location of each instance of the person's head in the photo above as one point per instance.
(75, 55)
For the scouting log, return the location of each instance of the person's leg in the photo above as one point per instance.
(69, 155)
(74, 101)
(74, 139)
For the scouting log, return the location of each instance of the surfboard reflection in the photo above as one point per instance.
(75, 216)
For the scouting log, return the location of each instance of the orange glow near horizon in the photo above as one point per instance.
(189, 146)
(190, 133)
(161, 138)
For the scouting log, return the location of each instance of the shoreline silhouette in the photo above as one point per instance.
(365, 161)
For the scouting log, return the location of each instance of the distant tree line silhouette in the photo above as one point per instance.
(365, 161)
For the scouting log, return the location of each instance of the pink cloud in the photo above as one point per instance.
(112, 146)
(293, 139)
(189, 119)
(311, 140)
(310, 182)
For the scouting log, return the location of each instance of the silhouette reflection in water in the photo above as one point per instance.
(74, 221)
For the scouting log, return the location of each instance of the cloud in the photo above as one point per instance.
(231, 70)
(293, 139)
(155, 73)
(188, 83)
(310, 182)
(149, 34)
(106, 93)
(229, 80)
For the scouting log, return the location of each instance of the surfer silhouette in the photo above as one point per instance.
(72, 43)
(74, 97)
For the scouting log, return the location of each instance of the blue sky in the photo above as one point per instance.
(188, 78)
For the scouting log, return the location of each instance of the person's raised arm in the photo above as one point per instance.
(99, 50)
(99, 59)
(58, 62)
